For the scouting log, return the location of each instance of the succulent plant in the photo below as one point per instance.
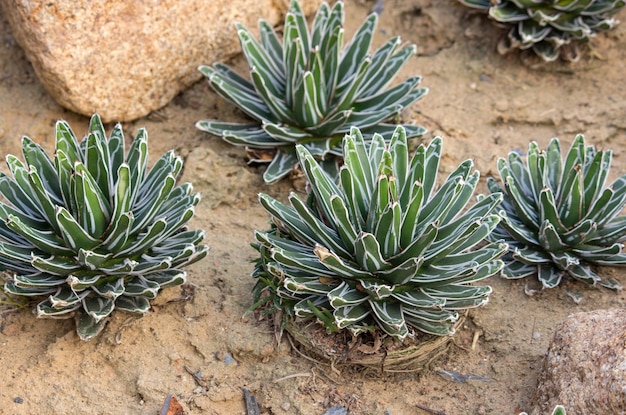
(308, 90)
(94, 229)
(558, 410)
(558, 216)
(382, 248)
(547, 25)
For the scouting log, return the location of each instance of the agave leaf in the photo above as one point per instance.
(248, 102)
(98, 307)
(385, 64)
(134, 304)
(419, 245)
(299, 260)
(118, 235)
(37, 280)
(270, 41)
(239, 134)
(439, 328)
(594, 253)
(45, 309)
(289, 218)
(486, 254)
(348, 316)
(550, 239)
(83, 281)
(220, 70)
(403, 273)
(37, 159)
(368, 253)
(281, 165)
(356, 51)
(321, 231)
(65, 297)
(16, 253)
(390, 317)
(266, 87)
(517, 269)
(306, 285)
(14, 289)
(418, 299)
(45, 240)
(614, 231)
(458, 292)
(531, 256)
(55, 265)
(110, 290)
(148, 208)
(304, 308)
(391, 220)
(14, 266)
(409, 226)
(73, 233)
(548, 211)
(378, 291)
(339, 266)
(167, 164)
(595, 175)
(95, 213)
(87, 327)
(283, 241)
(145, 240)
(549, 276)
(141, 287)
(13, 193)
(67, 142)
(345, 295)
(167, 278)
(97, 156)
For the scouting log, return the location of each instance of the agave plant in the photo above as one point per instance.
(382, 248)
(558, 216)
(94, 229)
(547, 25)
(558, 410)
(308, 90)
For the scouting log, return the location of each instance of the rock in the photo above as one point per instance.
(585, 367)
(124, 59)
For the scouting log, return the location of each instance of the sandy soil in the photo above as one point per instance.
(195, 344)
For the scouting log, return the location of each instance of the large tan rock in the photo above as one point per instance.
(124, 59)
(585, 368)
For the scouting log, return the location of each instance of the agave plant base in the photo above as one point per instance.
(377, 353)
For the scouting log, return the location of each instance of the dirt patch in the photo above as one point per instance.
(194, 343)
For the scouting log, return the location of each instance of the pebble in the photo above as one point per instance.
(18, 400)
(336, 410)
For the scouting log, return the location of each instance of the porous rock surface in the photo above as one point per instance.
(585, 367)
(124, 59)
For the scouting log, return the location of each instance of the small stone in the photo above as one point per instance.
(228, 359)
(501, 105)
(285, 406)
(17, 399)
(336, 410)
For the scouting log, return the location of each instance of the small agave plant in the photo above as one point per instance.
(307, 89)
(558, 410)
(94, 229)
(547, 25)
(382, 248)
(558, 216)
